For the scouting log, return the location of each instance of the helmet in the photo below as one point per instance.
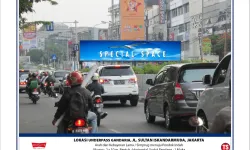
(30, 74)
(49, 73)
(75, 78)
(95, 77)
(34, 74)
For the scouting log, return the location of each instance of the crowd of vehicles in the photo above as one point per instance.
(178, 92)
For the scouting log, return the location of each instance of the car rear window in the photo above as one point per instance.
(116, 71)
(195, 75)
(60, 74)
(23, 72)
(24, 76)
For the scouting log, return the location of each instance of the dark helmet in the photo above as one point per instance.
(75, 78)
(34, 74)
(30, 74)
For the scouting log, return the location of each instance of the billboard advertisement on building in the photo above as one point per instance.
(103, 34)
(29, 37)
(132, 19)
(104, 50)
(162, 10)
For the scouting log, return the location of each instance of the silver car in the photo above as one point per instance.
(217, 94)
(22, 82)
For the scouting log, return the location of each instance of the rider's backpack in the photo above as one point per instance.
(78, 107)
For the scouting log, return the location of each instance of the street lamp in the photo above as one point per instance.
(146, 23)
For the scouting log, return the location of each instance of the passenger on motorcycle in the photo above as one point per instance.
(33, 84)
(50, 79)
(75, 80)
(97, 88)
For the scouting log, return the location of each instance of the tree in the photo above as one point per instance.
(218, 42)
(36, 55)
(26, 6)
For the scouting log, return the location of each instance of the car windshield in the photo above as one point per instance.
(113, 71)
(60, 74)
(195, 75)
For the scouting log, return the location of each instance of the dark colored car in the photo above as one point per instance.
(175, 91)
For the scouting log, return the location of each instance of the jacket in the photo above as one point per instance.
(64, 101)
(96, 87)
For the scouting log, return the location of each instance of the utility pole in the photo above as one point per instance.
(201, 34)
(225, 40)
(146, 24)
(75, 60)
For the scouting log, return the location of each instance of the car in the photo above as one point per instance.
(59, 76)
(23, 71)
(22, 82)
(217, 94)
(120, 83)
(175, 91)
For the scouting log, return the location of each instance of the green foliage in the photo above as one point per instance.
(20, 66)
(151, 68)
(36, 55)
(85, 70)
(218, 42)
(26, 6)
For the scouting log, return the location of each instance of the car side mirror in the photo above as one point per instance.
(56, 104)
(149, 82)
(207, 79)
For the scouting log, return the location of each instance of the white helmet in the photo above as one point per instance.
(95, 76)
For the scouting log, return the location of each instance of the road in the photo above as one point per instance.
(36, 118)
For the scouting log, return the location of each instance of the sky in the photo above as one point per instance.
(87, 12)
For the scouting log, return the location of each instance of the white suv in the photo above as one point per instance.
(120, 83)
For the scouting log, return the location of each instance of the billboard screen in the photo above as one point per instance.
(130, 50)
(132, 19)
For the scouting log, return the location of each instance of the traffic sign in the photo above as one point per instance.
(50, 27)
(54, 57)
(76, 47)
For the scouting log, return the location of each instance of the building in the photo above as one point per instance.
(216, 16)
(178, 24)
(114, 25)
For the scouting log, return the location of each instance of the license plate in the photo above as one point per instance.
(119, 82)
(81, 130)
(35, 93)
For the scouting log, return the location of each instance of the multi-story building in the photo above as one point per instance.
(178, 24)
(211, 17)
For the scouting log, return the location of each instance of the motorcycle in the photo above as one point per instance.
(43, 88)
(98, 107)
(76, 126)
(198, 122)
(50, 90)
(34, 96)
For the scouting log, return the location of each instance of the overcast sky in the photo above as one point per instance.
(86, 12)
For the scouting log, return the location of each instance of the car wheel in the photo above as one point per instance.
(149, 118)
(134, 101)
(201, 129)
(168, 119)
(123, 101)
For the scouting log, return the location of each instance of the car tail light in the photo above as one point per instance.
(178, 92)
(132, 80)
(45, 84)
(80, 123)
(22, 83)
(104, 81)
(117, 66)
(98, 100)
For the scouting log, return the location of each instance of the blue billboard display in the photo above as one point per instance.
(102, 50)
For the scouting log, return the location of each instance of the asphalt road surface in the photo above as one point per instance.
(37, 118)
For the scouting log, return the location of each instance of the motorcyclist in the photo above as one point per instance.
(43, 79)
(97, 88)
(28, 82)
(33, 83)
(75, 80)
(50, 79)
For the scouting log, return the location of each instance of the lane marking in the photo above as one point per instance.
(113, 130)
